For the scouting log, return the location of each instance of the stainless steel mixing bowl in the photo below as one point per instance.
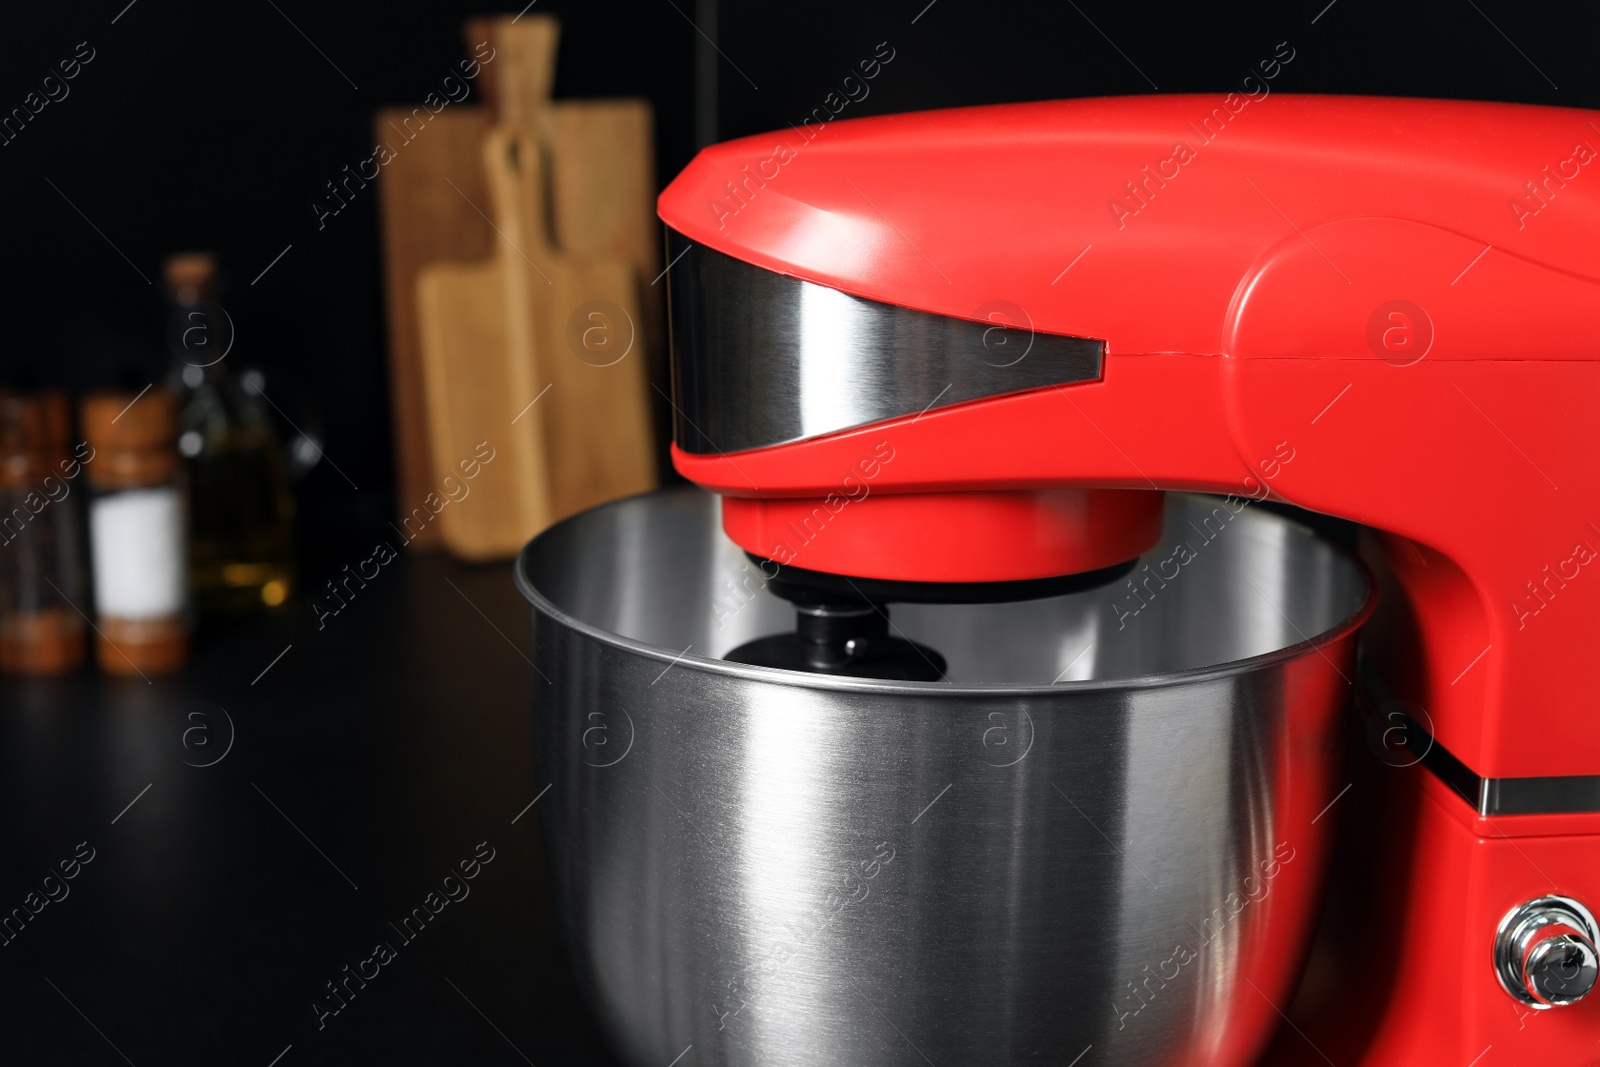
(1100, 841)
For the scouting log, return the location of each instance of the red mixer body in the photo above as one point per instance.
(1382, 310)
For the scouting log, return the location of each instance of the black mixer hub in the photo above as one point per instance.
(842, 623)
(844, 639)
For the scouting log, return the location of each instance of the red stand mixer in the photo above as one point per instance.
(1406, 292)
(964, 357)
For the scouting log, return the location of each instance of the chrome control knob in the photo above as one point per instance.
(1545, 952)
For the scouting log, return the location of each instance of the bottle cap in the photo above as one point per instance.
(191, 276)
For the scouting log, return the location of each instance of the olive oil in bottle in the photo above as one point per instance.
(241, 513)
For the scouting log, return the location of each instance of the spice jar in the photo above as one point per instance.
(136, 532)
(41, 559)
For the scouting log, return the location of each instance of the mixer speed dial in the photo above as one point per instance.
(1545, 952)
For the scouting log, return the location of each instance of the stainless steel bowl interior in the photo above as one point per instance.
(1100, 842)
(1225, 583)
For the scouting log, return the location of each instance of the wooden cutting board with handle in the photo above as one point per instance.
(590, 206)
(542, 350)
(433, 197)
(544, 338)
(476, 340)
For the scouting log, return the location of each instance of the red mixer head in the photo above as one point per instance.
(878, 284)
(970, 349)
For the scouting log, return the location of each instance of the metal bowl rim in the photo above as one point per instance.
(829, 683)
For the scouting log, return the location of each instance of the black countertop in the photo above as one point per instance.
(268, 817)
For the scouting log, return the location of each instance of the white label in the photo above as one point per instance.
(136, 537)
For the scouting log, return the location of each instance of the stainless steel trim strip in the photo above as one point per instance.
(1489, 797)
(760, 358)
(1539, 796)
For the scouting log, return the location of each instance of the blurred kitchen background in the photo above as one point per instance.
(180, 178)
(218, 128)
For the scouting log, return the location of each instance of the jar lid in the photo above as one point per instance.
(35, 432)
(130, 421)
(24, 423)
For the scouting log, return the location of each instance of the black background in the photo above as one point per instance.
(398, 738)
(203, 125)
